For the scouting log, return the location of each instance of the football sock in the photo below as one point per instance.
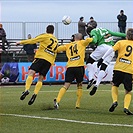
(127, 100)
(61, 93)
(79, 95)
(100, 76)
(28, 82)
(114, 93)
(38, 87)
(90, 71)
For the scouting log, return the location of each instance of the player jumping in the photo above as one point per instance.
(103, 38)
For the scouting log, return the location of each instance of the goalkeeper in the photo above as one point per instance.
(103, 38)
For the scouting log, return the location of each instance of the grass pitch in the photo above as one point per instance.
(17, 116)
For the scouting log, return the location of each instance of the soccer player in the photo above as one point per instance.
(44, 58)
(75, 52)
(103, 38)
(123, 70)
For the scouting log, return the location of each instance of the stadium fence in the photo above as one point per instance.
(20, 30)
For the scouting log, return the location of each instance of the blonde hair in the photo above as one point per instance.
(78, 36)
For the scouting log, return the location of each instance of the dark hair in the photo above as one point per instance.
(73, 38)
(89, 29)
(130, 34)
(121, 11)
(91, 18)
(50, 29)
(81, 18)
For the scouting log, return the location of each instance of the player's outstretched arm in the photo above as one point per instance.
(117, 34)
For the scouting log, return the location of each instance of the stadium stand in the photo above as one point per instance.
(17, 53)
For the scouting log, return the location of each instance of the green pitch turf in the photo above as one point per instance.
(17, 116)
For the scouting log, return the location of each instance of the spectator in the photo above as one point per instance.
(3, 37)
(122, 21)
(30, 50)
(82, 27)
(92, 22)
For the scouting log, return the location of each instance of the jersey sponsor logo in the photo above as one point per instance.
(125, 61)
(49, 52)
(75, 58)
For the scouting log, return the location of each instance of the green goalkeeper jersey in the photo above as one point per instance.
(104, 36)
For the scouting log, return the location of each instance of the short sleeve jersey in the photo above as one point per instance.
(124, 60)
(47, 48)
(75, 52)
(104, 36)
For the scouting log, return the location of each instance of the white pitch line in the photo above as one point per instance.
(67, 120)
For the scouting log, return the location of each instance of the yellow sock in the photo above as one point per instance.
(38, 87)
(114, 93)
(79, 95)
(127, 100)
(61, 93)
(28, 82)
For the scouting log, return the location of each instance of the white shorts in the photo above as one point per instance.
(100, 51)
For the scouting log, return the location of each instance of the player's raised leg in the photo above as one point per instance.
(115, 98)
(90, 70)
(60, 95)
(100, 76)
(37, 89)
(28, 84)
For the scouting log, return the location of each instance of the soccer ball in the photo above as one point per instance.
(5, 80)
(66, 20)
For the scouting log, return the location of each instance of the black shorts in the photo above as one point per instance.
(122, 77)
(74, 73)
(41, 66)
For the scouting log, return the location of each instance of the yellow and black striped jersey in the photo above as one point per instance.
(47, 48)
(75, 52)
(124, 61)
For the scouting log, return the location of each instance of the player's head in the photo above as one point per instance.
(78, 36)
(91, 18)
(121, 12)
(89, 29)
(29, 36)
(1, 25)
(129, 34)
(81, 18)
(50, 29)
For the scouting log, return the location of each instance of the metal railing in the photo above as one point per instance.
(20, 30)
